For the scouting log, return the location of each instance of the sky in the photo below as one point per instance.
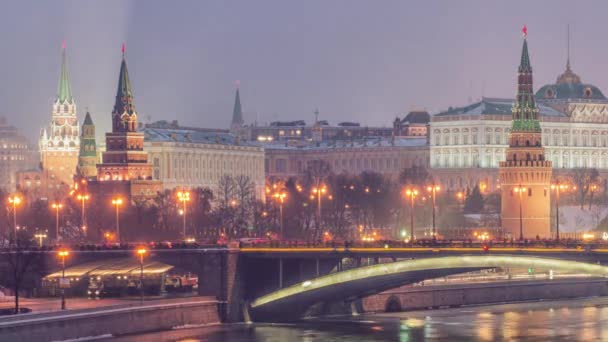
(355, 60)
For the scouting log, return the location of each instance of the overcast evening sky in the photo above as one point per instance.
(364, 61)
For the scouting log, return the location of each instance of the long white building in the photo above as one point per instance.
(467, 143)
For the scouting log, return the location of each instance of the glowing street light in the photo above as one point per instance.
(558, 188)
(141, 252)
(318, 191)
(520, 190)
(280, 198)
(57, 207)
(184, 197)
(433, 190)
(83, 218)
(40, 237)
(117, 202)
(15, 200)
(62, 283)
(411, 194)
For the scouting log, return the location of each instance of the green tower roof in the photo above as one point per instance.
(524, 64)
(237, 112)
(64, 91)
(124, 94)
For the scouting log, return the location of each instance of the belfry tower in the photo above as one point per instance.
(87, 158)
(525, 175)
(60, 143)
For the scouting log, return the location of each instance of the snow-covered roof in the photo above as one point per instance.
(190, 136)
(497, 106)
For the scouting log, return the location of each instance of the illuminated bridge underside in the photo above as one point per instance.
(292, 302)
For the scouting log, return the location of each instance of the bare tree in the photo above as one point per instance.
(583, 179)
(22, 258)
(226, 190)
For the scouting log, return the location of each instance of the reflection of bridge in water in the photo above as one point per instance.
(283, 282)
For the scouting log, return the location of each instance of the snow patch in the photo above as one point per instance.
(88, 338)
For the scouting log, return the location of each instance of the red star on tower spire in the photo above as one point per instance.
(524, 30)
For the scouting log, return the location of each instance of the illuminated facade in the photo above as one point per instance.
(59, 145)
(525, 175)
(87, 158)
(16, 155)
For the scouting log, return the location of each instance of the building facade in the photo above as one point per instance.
(60, 143)
(188, 158)
(16, 155)
(525, 175)
(467, 143)
(388, 156)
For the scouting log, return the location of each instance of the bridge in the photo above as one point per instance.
(275, 278)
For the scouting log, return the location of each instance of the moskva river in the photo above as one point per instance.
(567, 320)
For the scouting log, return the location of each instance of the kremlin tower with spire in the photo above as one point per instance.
(124, 169)
(60, 142)
(525, 175)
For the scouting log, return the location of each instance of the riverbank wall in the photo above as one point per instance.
(441, 296)
(108, 321)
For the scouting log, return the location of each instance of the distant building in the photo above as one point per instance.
(16, 155)
(59, 145)
(124, 169)
(187, 157)
(388, 156)
(414, 124)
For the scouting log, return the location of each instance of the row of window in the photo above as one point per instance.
(456, 160)
(552, 139)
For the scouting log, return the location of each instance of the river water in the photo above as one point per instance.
(567, 320)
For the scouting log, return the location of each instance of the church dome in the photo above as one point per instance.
(569, 86)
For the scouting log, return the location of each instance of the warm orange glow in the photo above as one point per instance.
(63, 253)
(183, 196)
(57, 206)
(83, 197)
(411, 192)
(142, 251)
(117, 201)
(15, 200)
(433, 188)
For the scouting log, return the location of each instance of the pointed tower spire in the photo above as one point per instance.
(525, 112)
(124, 94)
(568, 49)
(237, 111)
(64, 91)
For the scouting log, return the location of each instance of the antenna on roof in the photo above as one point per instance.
(568, 48)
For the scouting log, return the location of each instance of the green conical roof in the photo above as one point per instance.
(525, 112)
(524, 64)
(87, 119)
(64, 91)
(124, 95)
(237, 112)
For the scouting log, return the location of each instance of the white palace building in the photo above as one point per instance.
(467, 143)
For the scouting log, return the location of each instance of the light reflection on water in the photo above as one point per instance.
(576, 320)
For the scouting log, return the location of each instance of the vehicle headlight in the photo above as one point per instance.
(89, 292)
(97, 292)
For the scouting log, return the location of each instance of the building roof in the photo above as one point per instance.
(570, 91)
(417, 117)
(88, 120)
(64, 91)
(124, 94)
(191, 136)
(496, 106)
(372, 142)
(111, 267)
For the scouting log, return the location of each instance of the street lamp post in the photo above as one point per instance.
(141, 252)
(62, 255)
(57, 207)
(83, 218)
(184, 197)
(558, 188)
(411, 193)
(433, 190)
(519, 190)
(117, 202)
(15, 201)
(319, 191)
(280, 197)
